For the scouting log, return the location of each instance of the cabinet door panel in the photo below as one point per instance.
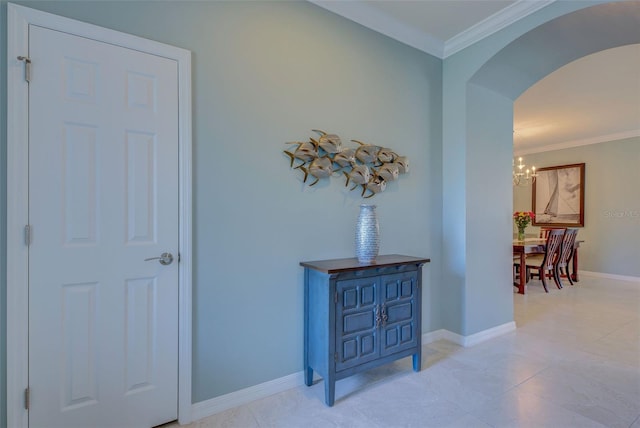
(358, 321)
(399, 332)
(356, 332)
(399, 312)
(397, 336)
(357, 347)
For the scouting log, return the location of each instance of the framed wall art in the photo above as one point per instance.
(558, 196)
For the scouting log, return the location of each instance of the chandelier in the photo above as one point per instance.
(523, 176)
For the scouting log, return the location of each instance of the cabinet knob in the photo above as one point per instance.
(378, 317)
(381, 315)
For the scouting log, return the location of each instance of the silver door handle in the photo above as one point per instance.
(165, 259)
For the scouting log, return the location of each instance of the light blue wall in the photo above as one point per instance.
(458, 201)
(265, 73)
(488, 253)
(612, 203)
(467, 272)
(3, 215)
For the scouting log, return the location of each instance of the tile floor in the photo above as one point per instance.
(574, 361)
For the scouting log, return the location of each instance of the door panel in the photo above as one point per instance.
(103, 197)
(79, 353)
(356, 334)
(141, 220)
(80, 184)
(399, 330)
(140, 333)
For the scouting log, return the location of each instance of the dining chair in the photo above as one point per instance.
(544, 231)
(544, 234)
(546, 262)
(565, 254)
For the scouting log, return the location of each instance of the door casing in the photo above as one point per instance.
(18, 19)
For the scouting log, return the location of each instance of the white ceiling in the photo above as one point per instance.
(593, 99)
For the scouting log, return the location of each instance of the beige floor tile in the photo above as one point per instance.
(574, 361)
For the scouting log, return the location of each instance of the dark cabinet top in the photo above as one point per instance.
(352, 264)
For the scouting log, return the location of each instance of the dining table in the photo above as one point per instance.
(538, 246)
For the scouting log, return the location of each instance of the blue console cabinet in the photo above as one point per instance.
(360, 316)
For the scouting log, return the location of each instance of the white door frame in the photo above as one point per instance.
(19, 18)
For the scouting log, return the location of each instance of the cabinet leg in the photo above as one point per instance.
(308, 376)
(417, 361)
(329, 391)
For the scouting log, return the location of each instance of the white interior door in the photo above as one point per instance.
(103, 197)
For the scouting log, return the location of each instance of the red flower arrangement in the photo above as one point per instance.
(523, 218)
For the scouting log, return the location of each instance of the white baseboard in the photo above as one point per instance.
(219, 404)
(432, 336)
(610, 276)
(468, 341)
(482, 336)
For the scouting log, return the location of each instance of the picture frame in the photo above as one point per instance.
(558, 196)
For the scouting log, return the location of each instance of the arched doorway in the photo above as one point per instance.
(479, 89)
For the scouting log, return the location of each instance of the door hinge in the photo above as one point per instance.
(335, 357)
(335, 297)
(27, 235)
(27, 391)
(27, 67)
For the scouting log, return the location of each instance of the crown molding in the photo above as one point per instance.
(380, 22)
(577, 143)
(493, 24)
(372, 18)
